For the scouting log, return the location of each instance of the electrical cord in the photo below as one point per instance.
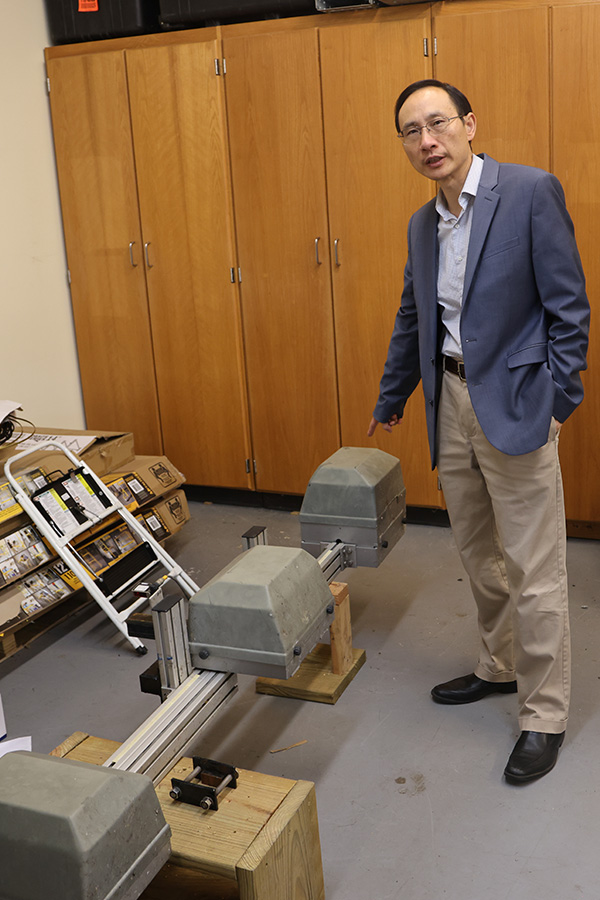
(12, 429)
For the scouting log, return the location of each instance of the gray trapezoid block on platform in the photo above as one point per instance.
(261, 614)
(357, 497)
(73, 830)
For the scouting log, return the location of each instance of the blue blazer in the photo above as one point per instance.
(525, 314)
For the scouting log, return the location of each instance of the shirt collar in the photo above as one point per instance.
(469, 189)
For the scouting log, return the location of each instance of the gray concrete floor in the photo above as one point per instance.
(411, 799)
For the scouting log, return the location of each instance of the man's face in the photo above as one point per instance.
(446, 157)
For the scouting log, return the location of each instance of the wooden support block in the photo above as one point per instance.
(261, 844)
(175, 881)
(340, 632)
(284, 861)
(70, 743)
(315, 679)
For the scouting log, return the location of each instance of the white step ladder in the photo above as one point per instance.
(65, 508)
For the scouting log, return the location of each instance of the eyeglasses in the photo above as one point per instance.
(437, 126)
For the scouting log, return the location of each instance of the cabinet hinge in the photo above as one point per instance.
(240, 274)
(232, 275)
(248, 467)
(255, 467)
(69, 277)
(48, 83)
(220, 67)
(435, 46)
(425, 47)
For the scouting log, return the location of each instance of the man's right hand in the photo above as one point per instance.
(387, 426)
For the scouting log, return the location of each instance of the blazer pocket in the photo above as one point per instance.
(536, 353)
(500, 248)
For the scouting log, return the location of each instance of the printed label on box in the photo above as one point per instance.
(156, 526)
(162, 474)
(141, 491)
(70, 579)
(88, 5)
(176, 509)
(122, 492)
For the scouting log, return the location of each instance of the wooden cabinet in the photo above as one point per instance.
(144, 179)
(373, 191)
(278, 166)
(179, 134)
(96, 172)
(259, 382)
(323, 195)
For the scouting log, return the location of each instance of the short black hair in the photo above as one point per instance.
(458, 98)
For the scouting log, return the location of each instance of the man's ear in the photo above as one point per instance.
(470, 125)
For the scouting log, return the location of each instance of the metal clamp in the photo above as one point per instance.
(212, 777)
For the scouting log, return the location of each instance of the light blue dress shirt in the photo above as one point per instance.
(453, 236)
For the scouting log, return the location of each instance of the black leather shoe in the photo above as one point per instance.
(534, 755)
(469, 689)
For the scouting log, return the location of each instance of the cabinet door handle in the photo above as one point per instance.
(335, 246)
(134, 264)
(148, 263)
(317, 251)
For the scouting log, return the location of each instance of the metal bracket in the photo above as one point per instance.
(255, 535)
(335, 557)
(212, 777)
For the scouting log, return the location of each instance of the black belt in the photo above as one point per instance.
(450, 364)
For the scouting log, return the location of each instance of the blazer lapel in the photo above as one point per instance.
(484, 210)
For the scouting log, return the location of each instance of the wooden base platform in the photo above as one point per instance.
(315, 679)
(261, 844)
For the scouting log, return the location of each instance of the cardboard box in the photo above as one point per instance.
(167, 516)
(148, 478)
(103, 451)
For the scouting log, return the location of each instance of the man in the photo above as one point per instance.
(494, 321)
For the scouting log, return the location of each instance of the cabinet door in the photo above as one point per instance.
(275, 126)
(373, 190)
(96, 173)
(500, 60)
(576, 137)
(177, 112)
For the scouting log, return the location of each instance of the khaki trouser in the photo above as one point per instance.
(508, 520)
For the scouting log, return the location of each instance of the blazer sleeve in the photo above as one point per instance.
(561, 284)
(402, 372)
